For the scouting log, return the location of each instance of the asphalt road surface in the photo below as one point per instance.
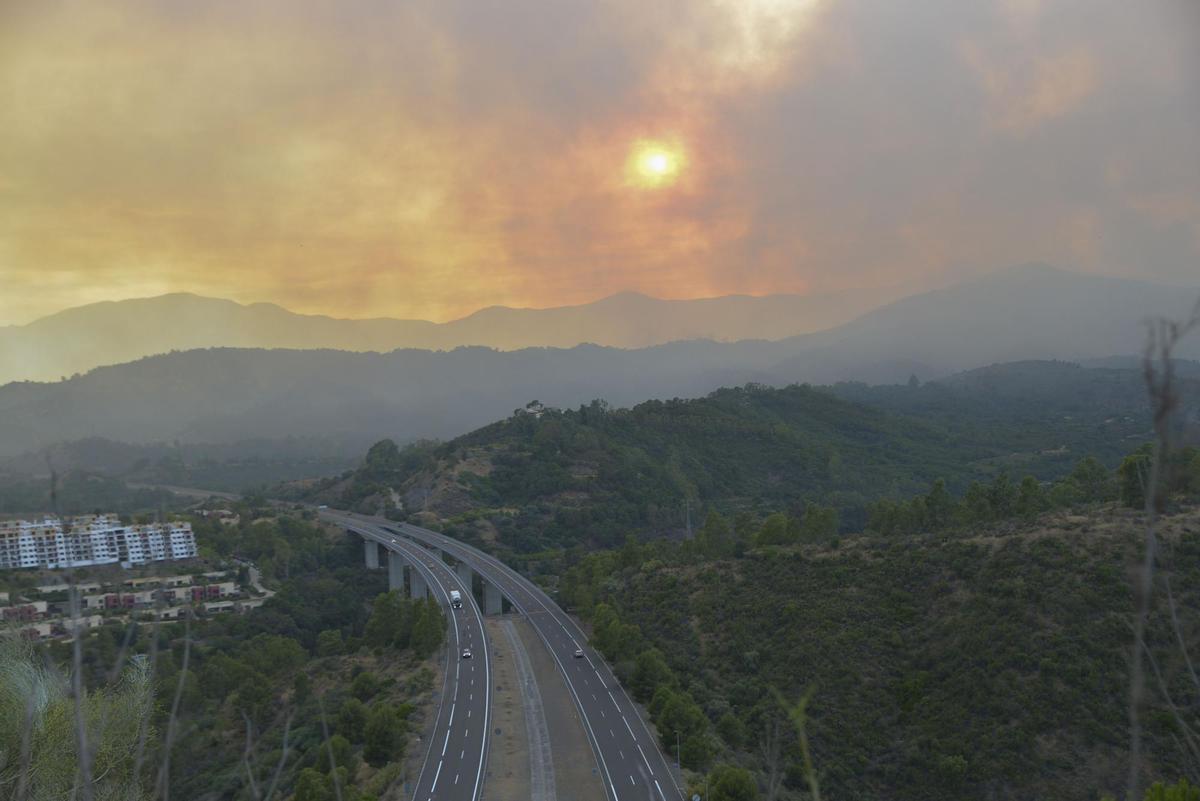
(626, 751)
(458, 747)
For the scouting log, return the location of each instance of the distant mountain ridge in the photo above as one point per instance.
(352, 399)
(1029, 312)
(113, 332)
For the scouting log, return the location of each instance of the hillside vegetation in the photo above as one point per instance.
(983, 661)
(555, 478)
(318, 693)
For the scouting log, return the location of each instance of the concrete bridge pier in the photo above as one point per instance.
(371, 550)
(395, 571)
(466, 575)
(493, 601)
(416, 583)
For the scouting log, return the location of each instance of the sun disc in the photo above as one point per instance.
(654, 164)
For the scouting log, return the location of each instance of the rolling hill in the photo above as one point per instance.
(350, 399)
(80, 339)
(556, 478)
(1030, 312)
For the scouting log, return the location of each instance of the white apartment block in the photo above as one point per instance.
(91, 540)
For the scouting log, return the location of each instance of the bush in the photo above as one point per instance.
(37, 713)
(352, 720)
(384, 736)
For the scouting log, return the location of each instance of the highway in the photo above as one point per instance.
(626, 751)
(456, 756)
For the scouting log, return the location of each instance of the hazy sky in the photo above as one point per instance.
(363, 157)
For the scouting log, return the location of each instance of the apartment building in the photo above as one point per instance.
(91, 540)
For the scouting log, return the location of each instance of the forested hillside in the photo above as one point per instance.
(546, 478)
(980, 661)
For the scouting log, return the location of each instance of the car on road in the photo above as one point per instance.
(579, 653)
(466, 653)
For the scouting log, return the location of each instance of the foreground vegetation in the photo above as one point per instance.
(980, 660)
(314, 695)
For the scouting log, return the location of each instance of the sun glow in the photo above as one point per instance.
(654, 164)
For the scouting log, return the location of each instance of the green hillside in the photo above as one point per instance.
(595, 474)
(981, 662)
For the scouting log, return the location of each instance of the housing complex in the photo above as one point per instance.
(46, 611)
(53, 543)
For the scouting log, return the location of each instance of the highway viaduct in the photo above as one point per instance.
(625, 750)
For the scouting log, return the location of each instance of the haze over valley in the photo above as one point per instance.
(77, 340)
(345, 400)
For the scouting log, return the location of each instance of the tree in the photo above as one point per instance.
(727, 783)
(253, 697)
(313, 785)
(382, 460)
(820, 523)
(715, 537)
(329, 642)
(364, 686)
(1002, 495)
(428, 628)
(774, 530)
(1066, 493)
(680, 718)
(732, 730)
(649, 673)
(391, 621)
(939, 505)
(1178, 792)
(1031, 498)
(977, 504)
(342, 753)
(1093, 479)
(352, 720)
(1132, 476)
(301, 688)
(39, 722)
(383, 738)
(696, 750)
(1191, 472)
(882, 516)
(272, 654)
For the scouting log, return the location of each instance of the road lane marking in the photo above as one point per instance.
(518, 591)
